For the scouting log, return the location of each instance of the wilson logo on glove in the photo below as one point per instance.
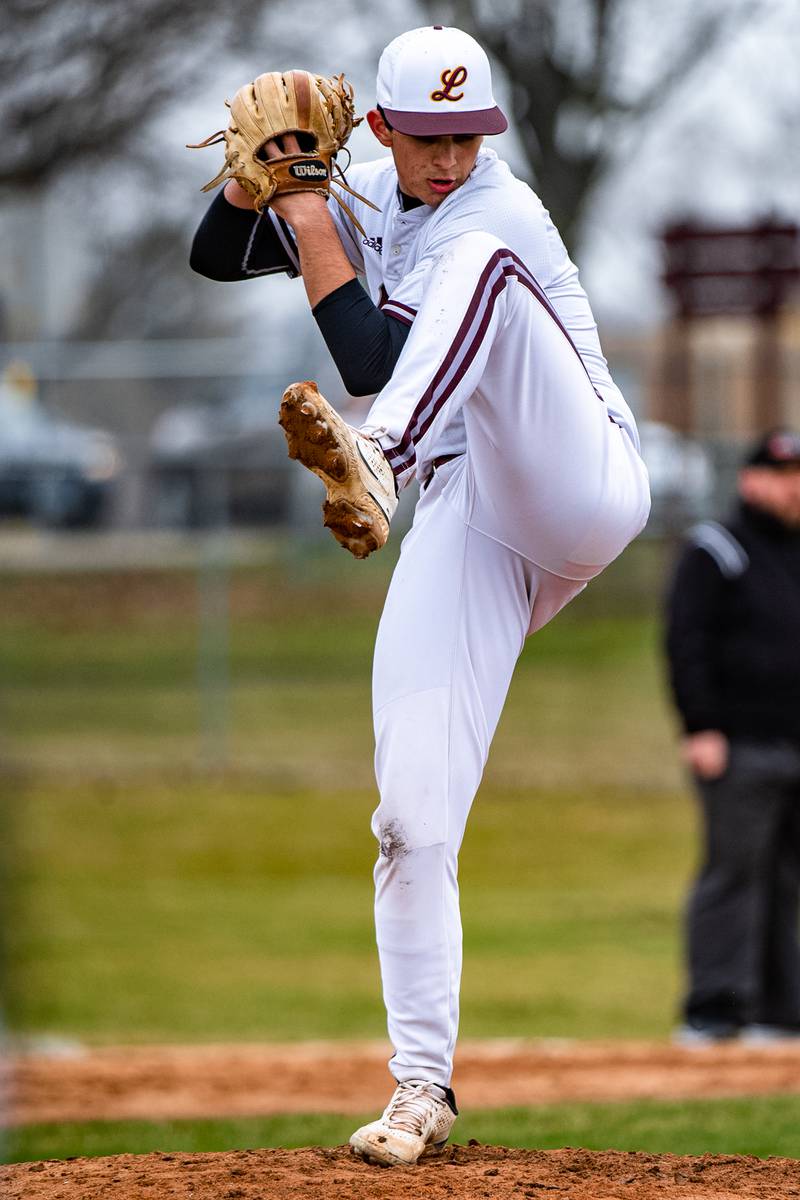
(309, 170)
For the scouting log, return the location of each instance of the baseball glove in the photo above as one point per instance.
(318, 111)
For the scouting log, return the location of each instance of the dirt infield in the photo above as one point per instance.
(466, 1172)
(174, 1082)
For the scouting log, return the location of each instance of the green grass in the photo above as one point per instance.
(201, 910)
(761, 1126)
(192, 864)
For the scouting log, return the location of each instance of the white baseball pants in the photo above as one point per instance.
(548, 492)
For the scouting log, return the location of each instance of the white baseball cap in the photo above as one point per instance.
(437, 80)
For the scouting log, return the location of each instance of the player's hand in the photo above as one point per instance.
(297, 206)
(706, 753)
(287, 143)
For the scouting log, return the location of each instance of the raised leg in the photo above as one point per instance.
(549, 473)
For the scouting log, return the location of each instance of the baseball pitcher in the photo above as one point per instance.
(442, 287)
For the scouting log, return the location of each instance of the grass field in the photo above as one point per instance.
(154, 896)
(193, 861)
(189, 910)
(760, 1126)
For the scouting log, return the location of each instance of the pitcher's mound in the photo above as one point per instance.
(462, 1172)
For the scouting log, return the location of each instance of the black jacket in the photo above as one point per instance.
(733, 628)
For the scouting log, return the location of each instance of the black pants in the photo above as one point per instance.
(742, 915)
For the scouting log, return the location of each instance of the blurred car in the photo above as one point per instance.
(59, 473)
(682, 477)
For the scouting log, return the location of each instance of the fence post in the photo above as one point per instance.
(213, 599)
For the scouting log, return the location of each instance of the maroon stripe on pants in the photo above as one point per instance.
(472, 307)
(497, 287)
(402, 456)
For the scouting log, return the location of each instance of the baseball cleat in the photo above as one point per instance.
(361, 497)
(415, 1124)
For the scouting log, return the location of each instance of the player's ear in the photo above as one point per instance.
(379, 127)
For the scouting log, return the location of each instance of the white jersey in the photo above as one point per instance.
(398, 247)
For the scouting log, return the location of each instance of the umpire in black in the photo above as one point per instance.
(733, 645)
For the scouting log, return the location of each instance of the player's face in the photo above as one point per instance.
(429, 168)
(775, 491)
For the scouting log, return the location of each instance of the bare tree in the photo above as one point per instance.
(82, 84)
(78, 78)
(575, 98)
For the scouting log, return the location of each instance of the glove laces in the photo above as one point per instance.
(409, 1108)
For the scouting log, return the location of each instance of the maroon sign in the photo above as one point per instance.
(749, 270)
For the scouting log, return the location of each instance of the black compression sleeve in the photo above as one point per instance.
(364, 342)
(237, 243)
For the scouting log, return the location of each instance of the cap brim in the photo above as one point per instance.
(427, 124)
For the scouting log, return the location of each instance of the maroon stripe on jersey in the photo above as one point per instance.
(502, 266)
(400, 312)
(399, 304)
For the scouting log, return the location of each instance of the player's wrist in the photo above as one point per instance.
(236, 195)
(303, 210)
